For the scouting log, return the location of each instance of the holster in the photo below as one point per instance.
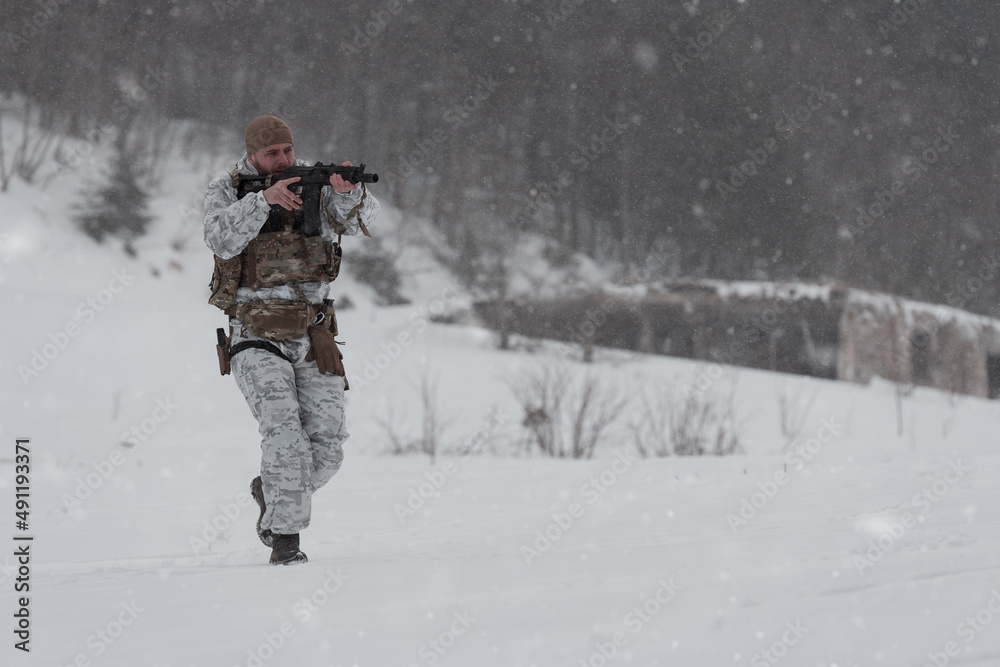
(223, 350)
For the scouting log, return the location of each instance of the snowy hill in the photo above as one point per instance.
(870, 538)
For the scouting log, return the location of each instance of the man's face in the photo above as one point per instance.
(273, 159)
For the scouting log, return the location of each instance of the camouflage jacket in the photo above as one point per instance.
(231, 223)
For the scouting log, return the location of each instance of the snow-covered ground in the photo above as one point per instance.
(872, 540)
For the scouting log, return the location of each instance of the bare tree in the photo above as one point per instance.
(541, 393)
(30, 151)
(691, 423)
(6, 171)
(432, 425)
(793, 411)
(399, 442)
(651, 431)
(565, 417)
(597, 407)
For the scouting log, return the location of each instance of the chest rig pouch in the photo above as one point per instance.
(280, 254)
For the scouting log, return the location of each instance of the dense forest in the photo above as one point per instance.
(850, 140)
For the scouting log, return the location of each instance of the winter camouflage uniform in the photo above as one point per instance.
(299, 411)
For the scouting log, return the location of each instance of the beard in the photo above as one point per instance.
(269, 170)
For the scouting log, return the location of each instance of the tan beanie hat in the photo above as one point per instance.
(265, 131)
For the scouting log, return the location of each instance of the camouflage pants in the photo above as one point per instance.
(300, 415)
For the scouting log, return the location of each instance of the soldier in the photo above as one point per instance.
(272, 279)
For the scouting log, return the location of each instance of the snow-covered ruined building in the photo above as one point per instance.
(827, 331)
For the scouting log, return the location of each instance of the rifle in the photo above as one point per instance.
(312, 181)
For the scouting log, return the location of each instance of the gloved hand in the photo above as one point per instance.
(325, 351)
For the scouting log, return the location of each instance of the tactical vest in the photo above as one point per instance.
(280, 254)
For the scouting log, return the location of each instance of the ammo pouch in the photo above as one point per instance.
(277, 319)
(225, 282)
(278, 258)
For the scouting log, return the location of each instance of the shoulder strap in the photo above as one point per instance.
(337, 225)
(356, 211)
(234, 175)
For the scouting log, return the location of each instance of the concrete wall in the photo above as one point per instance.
(917, 343)
(844, 334)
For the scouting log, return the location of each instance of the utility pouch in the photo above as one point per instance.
(223, 350)
(277, 319)
(225, 282)
(333, 256)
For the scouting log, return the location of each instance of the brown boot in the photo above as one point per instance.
(286, 550)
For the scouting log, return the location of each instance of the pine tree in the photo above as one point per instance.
(119, 208)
